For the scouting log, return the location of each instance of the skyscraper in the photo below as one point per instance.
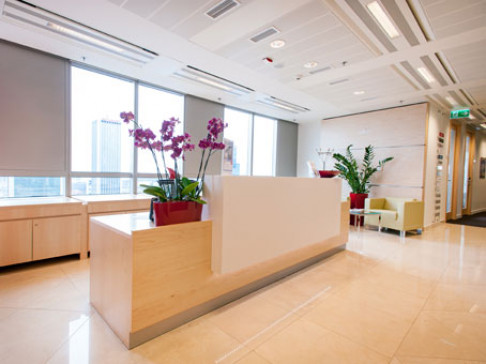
(106, 155)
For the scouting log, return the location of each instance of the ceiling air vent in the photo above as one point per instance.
(222, 8)
(264, 34)
(338, 81)
(320, 70)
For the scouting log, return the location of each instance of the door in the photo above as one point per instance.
(468, 164)
(452, 172)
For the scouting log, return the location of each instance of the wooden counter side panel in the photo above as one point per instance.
(111, 278)
(172, 271)
(169, 266)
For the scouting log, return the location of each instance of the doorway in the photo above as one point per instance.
(468, 166)
(452, 172)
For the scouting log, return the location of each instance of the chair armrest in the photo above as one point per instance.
(413, 213)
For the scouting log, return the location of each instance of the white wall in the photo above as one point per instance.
(309, 140)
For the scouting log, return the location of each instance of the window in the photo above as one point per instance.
(264, 130)
(254, 139)
(31, 186)
(155, 106)
(239, 132)
(100, 143)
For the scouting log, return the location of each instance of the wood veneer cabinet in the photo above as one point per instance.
(15, 242)
(40, 228)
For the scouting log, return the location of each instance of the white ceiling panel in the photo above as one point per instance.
(479, 94)
(450, 16)
(468, 61)
(143, 8)
(177, 11)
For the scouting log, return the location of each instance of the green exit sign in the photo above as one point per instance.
(459, 113)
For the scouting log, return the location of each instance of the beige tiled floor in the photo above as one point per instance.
(418, 300)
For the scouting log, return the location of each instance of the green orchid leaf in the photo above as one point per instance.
(189, 188)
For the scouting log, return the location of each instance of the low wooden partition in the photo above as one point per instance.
(40, 228)
(148, 280)
(96, 205)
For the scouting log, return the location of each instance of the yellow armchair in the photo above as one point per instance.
(401, 214)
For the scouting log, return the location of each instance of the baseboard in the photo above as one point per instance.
(478, 211)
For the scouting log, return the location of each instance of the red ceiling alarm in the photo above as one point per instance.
(267, 60)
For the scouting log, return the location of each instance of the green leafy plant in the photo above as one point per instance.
(358, 177)
(187, 190)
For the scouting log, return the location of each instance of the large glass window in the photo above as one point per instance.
(238, 133)
(31, 186)
(264, 146)
(100, 140)
(155, 106)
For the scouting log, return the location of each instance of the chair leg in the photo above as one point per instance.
(402, 233)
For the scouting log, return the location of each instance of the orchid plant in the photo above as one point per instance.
(181, 188)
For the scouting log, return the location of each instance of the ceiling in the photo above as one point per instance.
(359, 67)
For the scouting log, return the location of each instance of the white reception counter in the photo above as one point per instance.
(259, 218)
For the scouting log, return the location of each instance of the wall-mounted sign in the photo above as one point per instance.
(459, 113)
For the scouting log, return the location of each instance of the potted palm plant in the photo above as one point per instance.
(358, 176)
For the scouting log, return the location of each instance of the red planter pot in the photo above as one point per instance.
(176, 212)
(357, 202)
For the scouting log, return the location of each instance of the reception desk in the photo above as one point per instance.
(256, 219)
(147, 280)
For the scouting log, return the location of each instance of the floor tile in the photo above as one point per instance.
(252, 358)
(452, 297)
(306, 342)
(93, 343)
(247, 317)
(364, 325)
(410, 360)
(33, 336)
(446, 335)
(468, 275)
(196, 342)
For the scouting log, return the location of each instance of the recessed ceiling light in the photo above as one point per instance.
(83, 37)
(426, 74)
(311, 64)
(279, 43)
(358, 92)
(379, 14)
(451, 101)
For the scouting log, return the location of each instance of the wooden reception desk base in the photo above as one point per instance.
(146, 281)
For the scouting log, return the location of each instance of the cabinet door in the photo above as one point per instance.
(56, 236)
(15, 242)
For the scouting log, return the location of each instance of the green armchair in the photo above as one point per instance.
(401, 214)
